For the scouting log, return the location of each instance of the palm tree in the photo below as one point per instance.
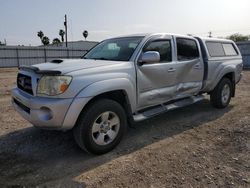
(56, 41)
(45, 40)
(40, 35)
(85, 34)
(62, 33)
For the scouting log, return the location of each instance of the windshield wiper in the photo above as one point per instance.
(101, 58)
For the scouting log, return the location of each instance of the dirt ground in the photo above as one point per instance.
(196, 146)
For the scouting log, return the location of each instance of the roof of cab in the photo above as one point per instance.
(153, 34)
(204, 39)
(215, 39)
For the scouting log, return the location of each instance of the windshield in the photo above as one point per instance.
(118, 49)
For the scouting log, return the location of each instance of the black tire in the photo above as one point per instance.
(216, 97)
(83, 129)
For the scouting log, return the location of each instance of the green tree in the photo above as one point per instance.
(45, 40)
(40, 35)
(238, 37)
(62, 33)
(56, 41)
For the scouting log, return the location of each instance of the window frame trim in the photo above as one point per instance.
(159, 40)
(196, 43)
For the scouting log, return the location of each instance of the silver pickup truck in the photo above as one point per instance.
(125, 80)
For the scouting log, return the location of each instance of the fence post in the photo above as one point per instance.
(45, 55)
(68, 53)
(17, 57)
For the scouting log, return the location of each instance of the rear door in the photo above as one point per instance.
(189, 67)
(156, 82)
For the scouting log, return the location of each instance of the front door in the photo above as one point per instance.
(157, 81)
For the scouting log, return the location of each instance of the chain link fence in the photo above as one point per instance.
(245, 52)
(17, 56)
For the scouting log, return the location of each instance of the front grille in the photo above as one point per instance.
(22, 106)
(24, 83)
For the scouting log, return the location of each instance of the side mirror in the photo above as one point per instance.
(150, 57)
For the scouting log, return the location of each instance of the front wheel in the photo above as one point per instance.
(221, 95)
(101, 126)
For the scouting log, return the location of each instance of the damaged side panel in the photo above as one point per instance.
(189, 77)
(161, 82)
(155, 84)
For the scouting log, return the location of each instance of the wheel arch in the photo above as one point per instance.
(123, 86)
(120, 96)
(230, 74)
(231, 77)
(121, 90)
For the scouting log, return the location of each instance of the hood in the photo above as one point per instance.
(69, 65)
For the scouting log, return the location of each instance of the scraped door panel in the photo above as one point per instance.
(189, 76)
(189, 67)
(156, 83)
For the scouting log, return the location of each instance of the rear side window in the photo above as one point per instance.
(161, 46)
(229, 49)
(217, 49)
(187, 49)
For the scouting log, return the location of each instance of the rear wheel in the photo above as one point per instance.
(221, 95)
(101, 127)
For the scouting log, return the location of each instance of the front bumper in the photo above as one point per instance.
(41, 112)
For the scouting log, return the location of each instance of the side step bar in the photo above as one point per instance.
(164, 108)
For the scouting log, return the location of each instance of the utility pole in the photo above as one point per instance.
(66, 30)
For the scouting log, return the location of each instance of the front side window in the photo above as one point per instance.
(161, 46)
(118, 49)
(187, 49)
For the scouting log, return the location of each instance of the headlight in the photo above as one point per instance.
(53, 85)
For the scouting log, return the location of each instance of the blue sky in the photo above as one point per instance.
(21, 19)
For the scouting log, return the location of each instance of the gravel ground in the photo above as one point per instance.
(196, 146)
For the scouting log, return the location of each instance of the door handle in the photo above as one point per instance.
(197, 66)
(171, 70)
